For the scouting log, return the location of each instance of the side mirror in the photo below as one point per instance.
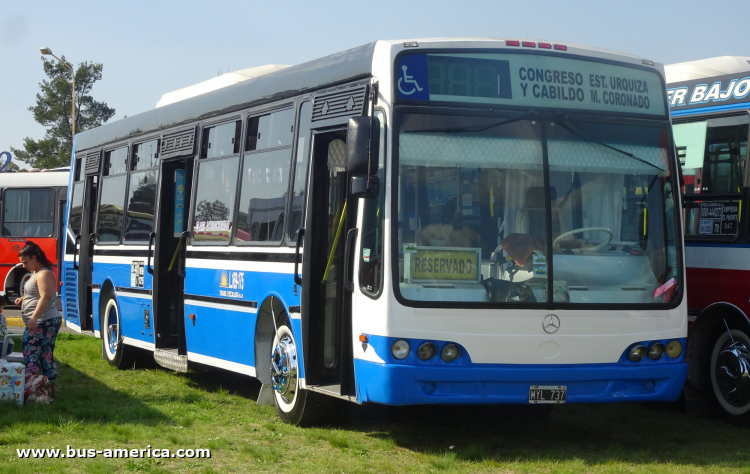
(362, 153)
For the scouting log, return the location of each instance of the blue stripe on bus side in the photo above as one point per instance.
(230, 335)
(130, 307)
(704, 110)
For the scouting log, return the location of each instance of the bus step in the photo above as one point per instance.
(170, 359)
(331, 390)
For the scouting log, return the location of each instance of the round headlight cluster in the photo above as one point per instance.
(637, 352)
(400, 349)
(426, 351)
(655, 351)
(674, 349)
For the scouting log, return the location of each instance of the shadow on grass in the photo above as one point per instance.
(80, 400)
(591, 434)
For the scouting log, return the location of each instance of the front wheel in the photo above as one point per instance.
(294, 404)
(113, 348)
(730, 373)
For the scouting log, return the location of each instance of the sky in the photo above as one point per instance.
(152, 47)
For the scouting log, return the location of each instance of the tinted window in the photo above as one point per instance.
(270, 131)
(214, 208)
(139, 220)
(300, 170)
(109, 222)
(221, 140)
(145, 155)
(371, 264)
(116, 161)
(76, 209)
(28, 213)
(263, 196)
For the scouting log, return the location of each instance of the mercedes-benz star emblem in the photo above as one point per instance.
(551, 323)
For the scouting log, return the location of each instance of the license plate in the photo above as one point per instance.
(548, 393)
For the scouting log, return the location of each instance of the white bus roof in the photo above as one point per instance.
(34, 179)
(710, 67)
(218, 82)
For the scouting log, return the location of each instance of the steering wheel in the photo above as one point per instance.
(561, 237)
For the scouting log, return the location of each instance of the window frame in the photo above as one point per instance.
(198, 161)
(100, 190)
(23, 188)
(741, 234)
(131, 156)
(259, 112)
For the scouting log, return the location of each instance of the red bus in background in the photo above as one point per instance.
(32, 207)
(709, 102)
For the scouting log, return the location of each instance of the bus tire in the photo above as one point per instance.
(21, 277)
(114, 349)
(730, 374)
(294, 405)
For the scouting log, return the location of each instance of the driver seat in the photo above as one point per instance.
(532, 219)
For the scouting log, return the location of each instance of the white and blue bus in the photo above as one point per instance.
(468, 221)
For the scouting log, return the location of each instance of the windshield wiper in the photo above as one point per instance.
(592, 139)
(515, 118)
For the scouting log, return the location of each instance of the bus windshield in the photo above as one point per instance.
(483, 217)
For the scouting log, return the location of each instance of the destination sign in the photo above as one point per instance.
(529, 81)
(714, 91)
(445, 264)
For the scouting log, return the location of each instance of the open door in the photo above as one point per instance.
(326, 302)
(168, 264)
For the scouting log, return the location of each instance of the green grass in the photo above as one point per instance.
(99, 407)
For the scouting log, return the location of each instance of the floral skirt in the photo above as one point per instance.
(38, 347)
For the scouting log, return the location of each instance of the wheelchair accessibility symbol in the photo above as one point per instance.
(407, 79)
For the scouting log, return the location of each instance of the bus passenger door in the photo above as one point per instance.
(326, 304)
(79, 243)
(168, 244)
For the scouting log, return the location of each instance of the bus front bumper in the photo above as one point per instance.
(401, 384)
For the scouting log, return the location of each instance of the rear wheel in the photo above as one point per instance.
(730, 374)
(294, 405)
(113, 348)
(22, 277)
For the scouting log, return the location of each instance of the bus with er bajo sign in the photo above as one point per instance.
(709, 100)
(447, 221)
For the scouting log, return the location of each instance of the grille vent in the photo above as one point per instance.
(178, 143)
(93, 161)
(71, 292)
(349, 102)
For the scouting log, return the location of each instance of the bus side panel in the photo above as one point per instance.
(227, 332)
(131, 306)
(710, 273)
(70, 294)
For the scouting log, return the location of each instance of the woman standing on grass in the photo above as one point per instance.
(42, 320)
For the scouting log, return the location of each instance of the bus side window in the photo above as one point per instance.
(217, 183)
(114, 181)
(299, 183)
(265, 177)
(372, 258)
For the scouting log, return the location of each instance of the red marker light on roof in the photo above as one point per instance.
(528, 44)
(561, 47)
(545, 45)
(512, 43)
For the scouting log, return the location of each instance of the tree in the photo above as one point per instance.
(53, 110)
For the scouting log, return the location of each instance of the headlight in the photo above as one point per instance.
(656, 351)
(674, 349)
(450, 352)
(426, 351)
(637, 352)
(400, 349)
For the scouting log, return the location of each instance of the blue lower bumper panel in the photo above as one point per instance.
(401, 384)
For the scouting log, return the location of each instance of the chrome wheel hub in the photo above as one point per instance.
(284, 368)
(733, 372)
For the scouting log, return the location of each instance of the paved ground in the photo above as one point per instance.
(13, 316)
